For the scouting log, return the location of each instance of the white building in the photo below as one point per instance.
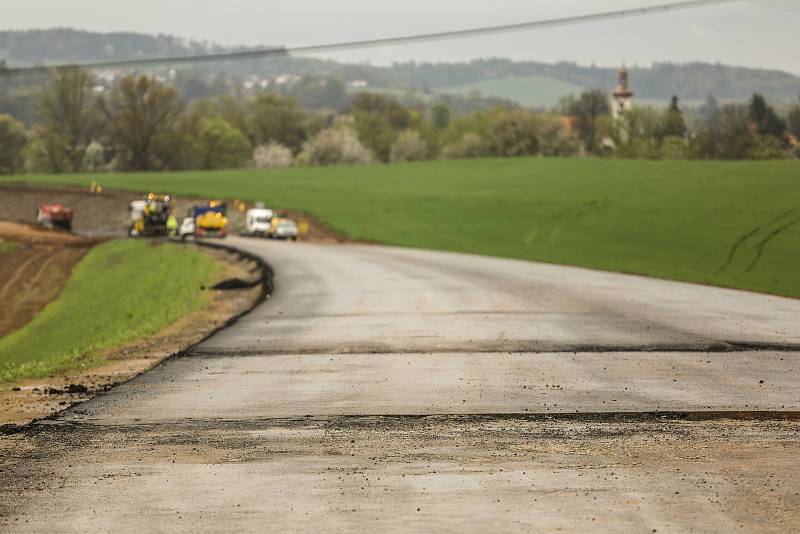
(623, 96)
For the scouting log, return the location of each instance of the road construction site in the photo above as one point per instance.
(405, 390)
(38, 265)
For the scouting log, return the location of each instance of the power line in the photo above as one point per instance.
(374, 43)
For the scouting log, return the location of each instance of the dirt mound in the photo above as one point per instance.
(28, 234)
(30, 279)
(32, 276)
(98, 214)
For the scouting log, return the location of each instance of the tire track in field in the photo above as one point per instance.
(31, 279)
(764, 242)
(53, 261)
(581, 210)
(573, 213)
(19, 273)
(741, 241)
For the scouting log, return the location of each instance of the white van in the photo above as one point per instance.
(258, 222)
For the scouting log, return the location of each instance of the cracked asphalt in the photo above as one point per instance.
(404, 390)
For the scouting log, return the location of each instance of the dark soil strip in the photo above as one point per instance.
(366, 420)
(264, 270)
(723, 347)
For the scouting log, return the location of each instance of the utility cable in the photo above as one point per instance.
(373, 43)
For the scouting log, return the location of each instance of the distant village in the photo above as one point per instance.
(251, 84)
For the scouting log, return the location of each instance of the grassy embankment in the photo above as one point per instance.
(121, 291)
(733, 224)
(5, 246)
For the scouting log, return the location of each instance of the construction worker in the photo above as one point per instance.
(172, 225)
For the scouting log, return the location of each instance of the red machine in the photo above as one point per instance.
(55, 216)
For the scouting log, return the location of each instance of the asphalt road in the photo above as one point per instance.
(392, 389)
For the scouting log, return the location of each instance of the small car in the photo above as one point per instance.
(283, 229)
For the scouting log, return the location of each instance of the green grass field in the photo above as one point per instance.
(530, 91)
(117, 293)
(733, 224)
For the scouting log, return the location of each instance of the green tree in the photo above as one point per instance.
(45, 153)
(674, 125)
(709, 109)
(794, 121)
(143, 117)
(766, 120)
(272, 156)
(727, 135)
(238, 113)
(12, 142)
(95, 157)
(586, 112)
(512, 133)
(69, 120)
(638, 133)
(316, 93)
(674, 147)
(376, 133)
(398, 117)
(334, 146)
(379, 119)
(469, 146)
(555, 138)
(440, 116)
(409, 146)
(477, 123)
(278, 119)
(766, 147)
(219, 145)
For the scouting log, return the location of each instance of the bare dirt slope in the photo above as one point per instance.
(106, 213)
(33, 275)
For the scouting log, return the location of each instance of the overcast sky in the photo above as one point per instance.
(761, 33)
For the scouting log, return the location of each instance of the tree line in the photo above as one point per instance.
(142, 124)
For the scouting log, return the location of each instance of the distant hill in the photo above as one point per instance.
(529, 91)
(691, 82)
(527, 83)
(67, 45)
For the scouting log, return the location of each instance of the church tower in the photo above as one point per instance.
(623, 96)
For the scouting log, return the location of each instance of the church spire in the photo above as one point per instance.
(623, 96)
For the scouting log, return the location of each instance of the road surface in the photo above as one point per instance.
(389, 389)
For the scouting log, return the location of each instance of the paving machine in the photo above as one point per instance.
(211, 219)
(149, 216)
(55, 216)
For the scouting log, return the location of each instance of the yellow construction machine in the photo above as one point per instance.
(211, 219)
(149, 215)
